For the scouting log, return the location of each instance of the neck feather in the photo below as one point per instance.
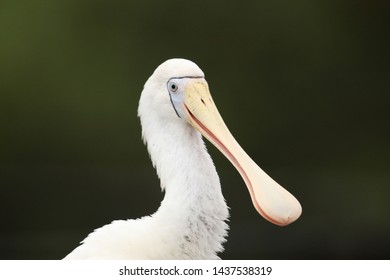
(193, 203)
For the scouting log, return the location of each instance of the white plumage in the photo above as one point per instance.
(191, 221)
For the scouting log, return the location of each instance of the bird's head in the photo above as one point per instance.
(179, 91)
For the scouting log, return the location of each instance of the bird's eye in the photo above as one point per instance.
(173, 86)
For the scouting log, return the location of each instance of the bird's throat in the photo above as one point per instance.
(193, 205)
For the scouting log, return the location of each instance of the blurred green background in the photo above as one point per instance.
(303, 85)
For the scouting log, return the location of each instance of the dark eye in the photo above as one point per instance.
(173, 86)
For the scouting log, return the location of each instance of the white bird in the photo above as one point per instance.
(176, 105)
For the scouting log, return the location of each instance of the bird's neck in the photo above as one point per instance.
(193, 207)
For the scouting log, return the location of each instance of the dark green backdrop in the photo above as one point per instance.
(303, 86)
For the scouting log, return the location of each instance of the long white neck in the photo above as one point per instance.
(193, 210)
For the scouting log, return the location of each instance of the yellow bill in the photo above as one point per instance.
(270, 199)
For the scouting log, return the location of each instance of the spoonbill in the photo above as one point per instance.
(175, 109)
